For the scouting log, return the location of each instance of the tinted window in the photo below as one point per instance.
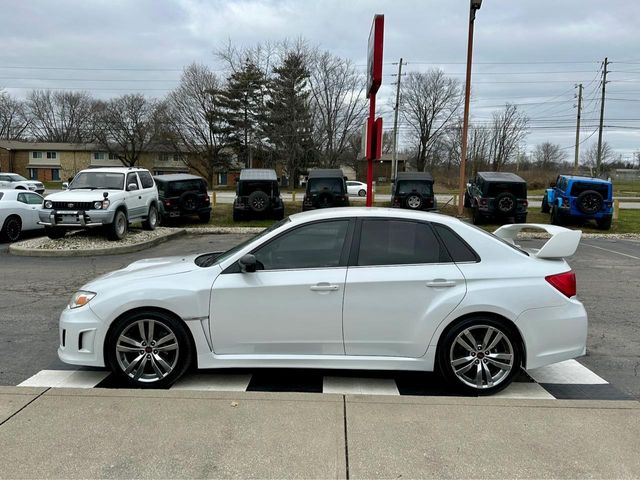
(22, 198)
(456, 246)
(179, 187)
(409, 186)
(14, 177)
(33, 199)
(132, 178)
(145, 179)
(578, 187)
(246, 187)
(1, 195)
(318, 245)
(398, 242)
(333, 185)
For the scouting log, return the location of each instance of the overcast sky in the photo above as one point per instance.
(526, 52)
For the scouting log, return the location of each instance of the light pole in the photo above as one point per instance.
(475, 5)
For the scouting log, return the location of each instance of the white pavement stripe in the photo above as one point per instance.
(360, 386)
(213, 382)
(65, 379)
(524, 390)
(567, 372)
(612, 251)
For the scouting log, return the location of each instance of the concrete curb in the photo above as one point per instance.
(224, 230)
(15, 249)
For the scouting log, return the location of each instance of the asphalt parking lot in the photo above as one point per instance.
(33, 291)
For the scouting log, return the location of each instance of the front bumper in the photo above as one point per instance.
(82, 336)
(554, 334)
(75, 218)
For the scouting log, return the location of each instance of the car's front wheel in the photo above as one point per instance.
(480, 356)
(11, 229)
(118, 229)
(362, 193)
(149, 349)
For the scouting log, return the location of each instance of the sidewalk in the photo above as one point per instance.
(151, 434)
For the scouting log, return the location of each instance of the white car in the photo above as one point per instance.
(352, 288)
(18, 212)
(356, 188)
(13, 180)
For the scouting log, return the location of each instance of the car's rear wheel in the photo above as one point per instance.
(480, 356)
(55, 233)
(205, 217)
(362, 193)
(477, 218)
(152, 219)
(149, 350)
(118, 228)
(11, 229)
(604, 223)
(556, 216)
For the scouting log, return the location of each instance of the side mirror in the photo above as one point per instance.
(248, 263)
(131, 187)
(65, 185)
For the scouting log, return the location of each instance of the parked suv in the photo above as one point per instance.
(257, 195)
(111, 198)
(183, 195)
(583, 198)
(13, 180)
(497, 195)
(413, 190)
(326, 188)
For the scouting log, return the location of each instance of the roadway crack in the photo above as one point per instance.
(346, 438)
(25, 406)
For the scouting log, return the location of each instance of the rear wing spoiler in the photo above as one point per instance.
(563, 242)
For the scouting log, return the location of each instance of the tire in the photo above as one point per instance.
(545, 205)
(556, 217)
(467, 200)
(279, 214)
(604, 223)
(414, 201)
(55, 233)
(238, 216)
(589, 202)
(205, 217)
(258, 201)
(506, 203)
(521, 218)
(477, 218)
(11, 229)
(152, 220)
(155, 367)
(362, 193)
(326, 200)
(118, 228)
(481, 344)
(188, 201)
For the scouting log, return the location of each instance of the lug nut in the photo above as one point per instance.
(155, 351)
(485, 360)
(473, 354)
(477, 362)
(148, 357)
(153, 343)
(144, 344)
(487, 352)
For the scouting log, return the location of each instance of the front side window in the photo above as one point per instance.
(132, 178)
(398, 242)
(14, 177)
(318, 245)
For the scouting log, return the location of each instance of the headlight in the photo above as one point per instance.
(80, 299)
(32, 187)
(48, 204)
(97, 205)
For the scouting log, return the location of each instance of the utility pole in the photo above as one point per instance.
(394, 162)
(604, 84)
(575, 161)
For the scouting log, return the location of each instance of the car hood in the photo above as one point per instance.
(81, 195)
(152, 267)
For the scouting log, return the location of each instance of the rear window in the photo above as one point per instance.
(409, 186)
(517, 189)
(579, 187)
(333, 185)
(179, 187)
(246, 187)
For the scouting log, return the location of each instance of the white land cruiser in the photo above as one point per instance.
(102, 197)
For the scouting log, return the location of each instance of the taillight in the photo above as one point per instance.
(565, 283)
(525, 203)
(483, 201)
(565, 202)
(167, 203)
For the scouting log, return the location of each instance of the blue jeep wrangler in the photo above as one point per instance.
(580, 198)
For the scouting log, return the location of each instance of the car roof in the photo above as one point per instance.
(585, 179)
(114, 170)
(501, 177)
(325, 172)
(174, 177)
(258, 174)
(346, 212)
(415, 176)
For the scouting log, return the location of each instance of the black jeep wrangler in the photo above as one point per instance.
(182, 195)
(497, 195)
(413, 190)
(326, 188)
(257, 195)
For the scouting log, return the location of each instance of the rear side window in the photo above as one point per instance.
(409, 186)
(319, 185)
(145, 179)
(1, 195)
(458, 249)
(399, 242)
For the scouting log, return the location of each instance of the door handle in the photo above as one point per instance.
(323, 287)
(439, 283)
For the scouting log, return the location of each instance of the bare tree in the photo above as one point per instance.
(548, 155)
(61, 116)
(196, 121)
(13, 117)
(127, 126)
(590, 155)
(509, 129)
(338, 105)
(429, 104)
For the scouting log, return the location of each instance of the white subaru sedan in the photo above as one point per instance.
(345, 288)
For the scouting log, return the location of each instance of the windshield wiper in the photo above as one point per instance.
(84, 188)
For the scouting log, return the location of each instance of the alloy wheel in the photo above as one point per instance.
(481, 356)
(13, 229)
(414, 201)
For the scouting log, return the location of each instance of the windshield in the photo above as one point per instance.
(221, 258)
(408, 186)
(334, 185)
(14, 177)
(98, 180)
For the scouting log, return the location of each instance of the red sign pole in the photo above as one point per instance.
(374, 65)
(370, 140)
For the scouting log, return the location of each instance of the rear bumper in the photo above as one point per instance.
(82, 336)
(554, 334)
(76, 219)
